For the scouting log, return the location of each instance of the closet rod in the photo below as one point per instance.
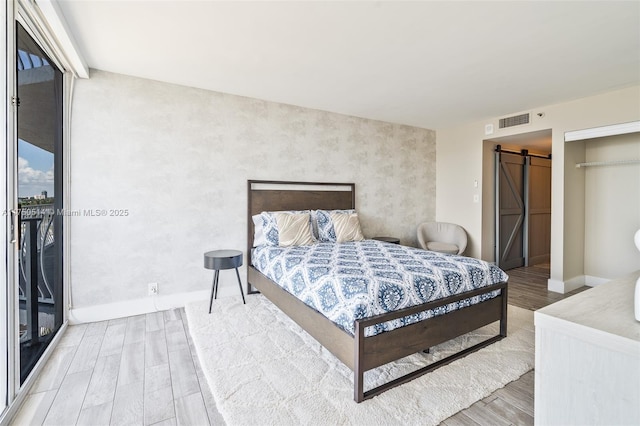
(606, 163)
(524, 153)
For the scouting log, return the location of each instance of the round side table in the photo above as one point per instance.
(222, 259)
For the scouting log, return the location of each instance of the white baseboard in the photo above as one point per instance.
(592, 281)
(556, 285)
(576, 282)
(128, 308)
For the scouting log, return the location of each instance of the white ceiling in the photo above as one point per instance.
(427, 64)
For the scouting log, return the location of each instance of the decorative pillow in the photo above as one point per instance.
(270, 228)
(338, 226)
(346, 227)
(294, 229)
(326, 233)
(314, 224)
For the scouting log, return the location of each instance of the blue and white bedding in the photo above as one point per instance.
(355, 280)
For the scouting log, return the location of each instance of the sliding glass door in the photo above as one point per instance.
(34, 113)
(39, 196)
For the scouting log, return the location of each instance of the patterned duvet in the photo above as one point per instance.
(354, 280)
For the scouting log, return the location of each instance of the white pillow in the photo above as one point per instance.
(293, 229)
(258, 233)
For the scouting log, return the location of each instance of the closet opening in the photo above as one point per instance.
(606, 169)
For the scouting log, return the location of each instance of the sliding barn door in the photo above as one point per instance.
(510, 210)
(538, 219)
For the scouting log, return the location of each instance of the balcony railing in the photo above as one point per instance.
(36, 268)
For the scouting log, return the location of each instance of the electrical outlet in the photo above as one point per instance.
(153, 289)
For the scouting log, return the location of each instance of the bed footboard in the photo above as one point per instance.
(374, 351)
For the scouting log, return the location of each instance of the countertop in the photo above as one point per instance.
(603, 314)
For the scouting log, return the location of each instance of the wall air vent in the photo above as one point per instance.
(516, 120)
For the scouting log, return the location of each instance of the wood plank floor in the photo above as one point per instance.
(528, 288)
(144, 370)
(141, 370)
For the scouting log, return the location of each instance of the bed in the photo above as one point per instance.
(378, 338)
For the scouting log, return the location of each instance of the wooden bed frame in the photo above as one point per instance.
(358, 352)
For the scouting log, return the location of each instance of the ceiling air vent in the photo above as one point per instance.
(516, 120)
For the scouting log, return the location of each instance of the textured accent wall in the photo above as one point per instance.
(176, 160)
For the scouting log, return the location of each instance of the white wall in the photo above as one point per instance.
(178, 160)
(612, 207)
(460, 162)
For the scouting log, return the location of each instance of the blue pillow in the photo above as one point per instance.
(269, 228)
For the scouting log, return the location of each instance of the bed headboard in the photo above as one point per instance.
(271, 195)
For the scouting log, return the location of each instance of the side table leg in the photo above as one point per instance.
(215, 296)
(240, 285)
(214, 289)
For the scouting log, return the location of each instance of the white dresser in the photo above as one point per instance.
(588, 358)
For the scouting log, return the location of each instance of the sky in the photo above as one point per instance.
(35, 170)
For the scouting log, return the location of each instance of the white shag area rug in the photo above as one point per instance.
(264, 369)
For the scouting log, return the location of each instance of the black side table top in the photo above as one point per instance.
(392, 240)
(222, 259)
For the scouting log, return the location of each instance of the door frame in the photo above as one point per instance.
(7, 357)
